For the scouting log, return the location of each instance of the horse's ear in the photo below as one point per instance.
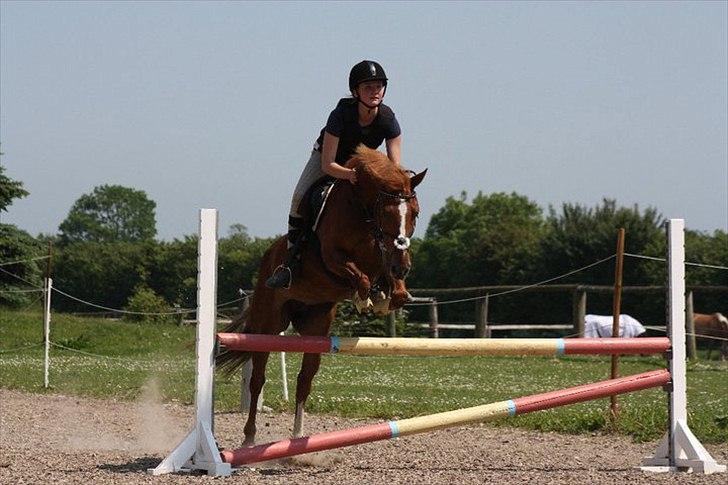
(416, 179)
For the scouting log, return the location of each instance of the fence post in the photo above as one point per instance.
(690, 327)
(284, 376)
(616, 310)
(47, 330)
(392, 324)
(481, 318)
(434, 321)
(579, 310)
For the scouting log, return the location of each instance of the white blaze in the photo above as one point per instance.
(402, 242)
(403, 218)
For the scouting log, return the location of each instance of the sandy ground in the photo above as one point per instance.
(55, 439)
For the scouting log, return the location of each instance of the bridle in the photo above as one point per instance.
(401, 241)
(373, 217)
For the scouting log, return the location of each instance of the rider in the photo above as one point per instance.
(362, 118)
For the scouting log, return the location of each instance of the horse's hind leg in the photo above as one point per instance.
(309, 368)
(316, 322)
(257, 379)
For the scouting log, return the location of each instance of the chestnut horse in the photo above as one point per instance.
(363, 243)
(712, 325)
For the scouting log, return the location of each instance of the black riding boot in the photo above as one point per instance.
(282, 277)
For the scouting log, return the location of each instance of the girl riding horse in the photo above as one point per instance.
(361, 119)
(361, 240)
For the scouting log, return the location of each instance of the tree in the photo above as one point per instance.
(579, 236)
(105, 274)
(111, 213)
(17, 279)
(239, 257)
(9, 189)
(493, 237)
(16, 245)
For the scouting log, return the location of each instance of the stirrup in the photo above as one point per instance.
(281, 278)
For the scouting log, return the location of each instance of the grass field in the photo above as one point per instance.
(116, 358)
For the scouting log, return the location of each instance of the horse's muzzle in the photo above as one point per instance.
(402, 243)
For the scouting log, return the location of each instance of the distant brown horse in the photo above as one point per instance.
(713, 325)
(363, 237)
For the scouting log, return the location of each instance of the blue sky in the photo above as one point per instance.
(217, 104)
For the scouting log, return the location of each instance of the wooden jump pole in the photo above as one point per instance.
(450, 346)
(433, 422)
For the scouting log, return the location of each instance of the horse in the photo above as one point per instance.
(359, 250)
(712, 325)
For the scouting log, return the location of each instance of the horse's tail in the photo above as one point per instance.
(231, 360)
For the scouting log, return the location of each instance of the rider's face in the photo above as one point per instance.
(371, 92)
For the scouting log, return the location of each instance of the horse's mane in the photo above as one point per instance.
(377, 165)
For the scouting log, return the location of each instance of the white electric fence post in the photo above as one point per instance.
(47, 331)
(245, 385)
(679, 448)
(284, 375)
(198, 450)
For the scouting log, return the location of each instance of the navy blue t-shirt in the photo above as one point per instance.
(343, 123)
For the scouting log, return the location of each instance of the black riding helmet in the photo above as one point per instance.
(366, 71)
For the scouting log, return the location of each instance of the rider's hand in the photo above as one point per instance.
(352, 177)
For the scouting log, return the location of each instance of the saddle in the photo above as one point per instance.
(315, 201)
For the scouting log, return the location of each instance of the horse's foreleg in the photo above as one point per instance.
(309, 368)
(400, 295)
(338, 263)
(257, 379)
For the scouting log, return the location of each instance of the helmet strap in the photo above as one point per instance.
(370, 108)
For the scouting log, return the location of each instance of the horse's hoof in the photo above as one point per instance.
(361, 305)
(381, 307)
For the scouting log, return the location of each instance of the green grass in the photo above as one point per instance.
(375, 387)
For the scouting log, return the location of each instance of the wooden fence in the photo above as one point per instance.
(483, 328)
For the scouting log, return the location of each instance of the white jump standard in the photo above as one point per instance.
(198, 450)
